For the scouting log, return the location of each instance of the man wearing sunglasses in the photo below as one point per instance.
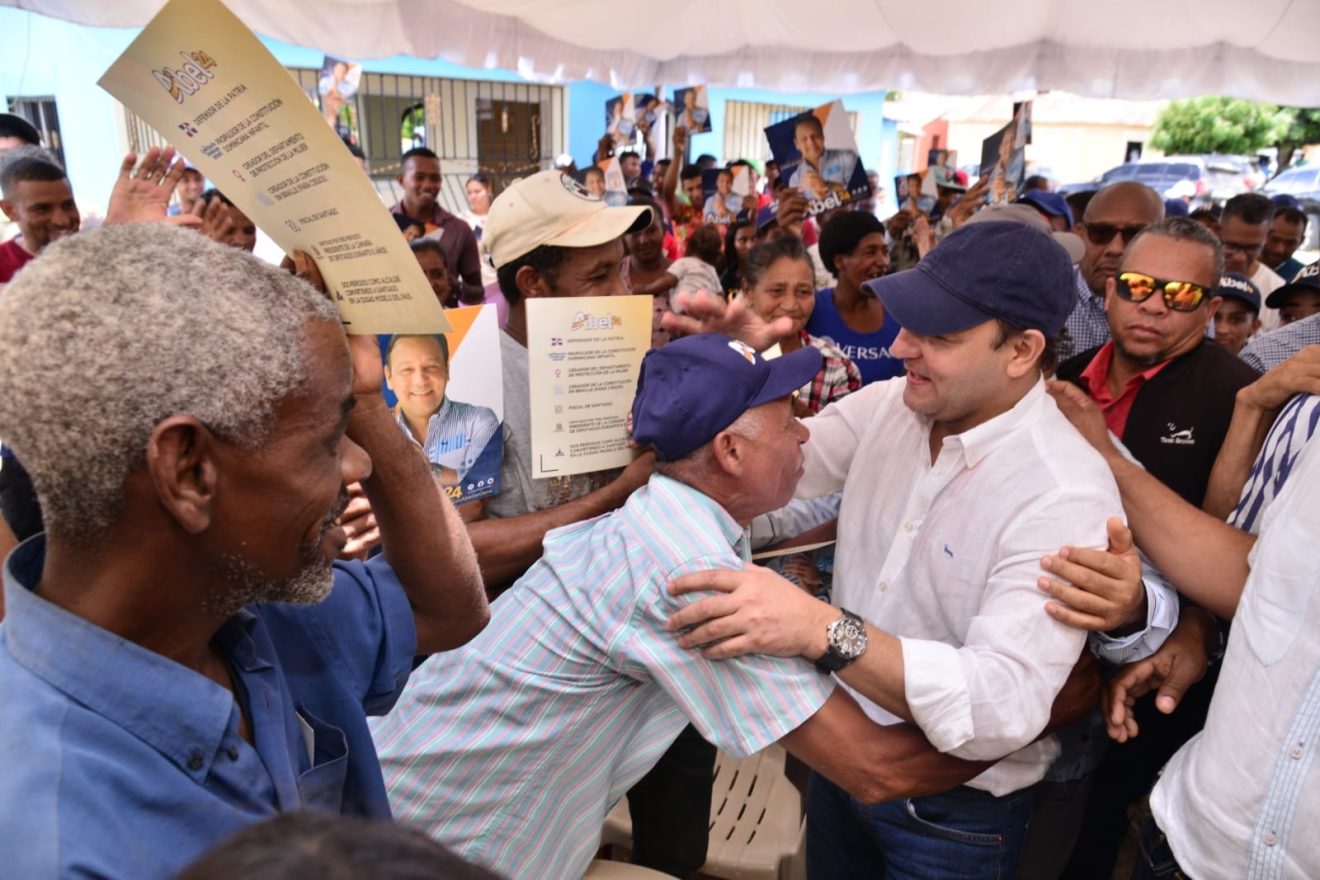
(1116, 214)
(1168, 392)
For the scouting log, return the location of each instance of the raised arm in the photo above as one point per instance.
(422, 536)
(669, 186)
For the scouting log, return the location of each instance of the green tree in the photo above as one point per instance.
(1303, 128)
(1219, 125)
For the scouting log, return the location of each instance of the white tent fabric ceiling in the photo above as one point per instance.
(1136, 49)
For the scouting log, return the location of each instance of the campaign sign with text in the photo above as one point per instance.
(203, 80)
(583, 355)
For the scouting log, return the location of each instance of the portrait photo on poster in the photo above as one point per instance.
(621, 117)
(446, 393)
(693, 109)
(817, 155)
(726, 195)
(337, 85)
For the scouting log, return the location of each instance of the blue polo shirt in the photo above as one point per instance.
(120, 763)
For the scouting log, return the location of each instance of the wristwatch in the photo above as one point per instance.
(845, 641)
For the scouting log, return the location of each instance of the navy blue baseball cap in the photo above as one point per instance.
(1307, 278)
(1285, 200)
(1051, 204)
(692, 388)
(980, 272)
(1239, 287)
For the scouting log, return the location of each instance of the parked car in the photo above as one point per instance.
(1209, 178)
(1303, 183)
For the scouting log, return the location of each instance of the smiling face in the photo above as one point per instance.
(958, 380)
(786, 289)
(420, 179)
(809, 138)
(418, 374)
(44, 211)
(870, 259)
(275, 525)
(1149, 332)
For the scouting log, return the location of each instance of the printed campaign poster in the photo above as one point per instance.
(447, 394)
(817, 155)
(337, 85)
(621, 117)
(1003, 158)
(941, 165)
(202, 79)
(584, 354)
(616, 185)
(726, 195)
(693, 109)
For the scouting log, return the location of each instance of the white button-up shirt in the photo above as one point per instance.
(1242, 797)
(945, 555)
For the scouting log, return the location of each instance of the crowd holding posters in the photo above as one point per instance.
(446, 392)
(247, 125)
(817, 155)
(693, 109)
(622, 113)
(1003, 156)
(726, 194)
(337, 85)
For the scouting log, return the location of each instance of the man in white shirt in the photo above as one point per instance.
(1244, 227)
(956, 482)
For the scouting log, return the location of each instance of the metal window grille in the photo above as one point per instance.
(40, 111)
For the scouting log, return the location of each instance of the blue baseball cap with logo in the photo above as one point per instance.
(1307, 278)
(1051, 204)
(980, 272)
(692, 388)
(1239, 287)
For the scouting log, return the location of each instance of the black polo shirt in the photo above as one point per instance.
(1180, 415)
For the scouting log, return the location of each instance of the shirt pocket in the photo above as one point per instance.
(322, 787)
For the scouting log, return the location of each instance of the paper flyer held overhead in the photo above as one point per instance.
(447, 392)
(693, 108)
(817, 155)
(203, 80)
(584, 354)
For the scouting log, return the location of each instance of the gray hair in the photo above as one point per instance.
(112, 331)
(1185, 229)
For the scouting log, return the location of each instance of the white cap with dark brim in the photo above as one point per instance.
(552, 208)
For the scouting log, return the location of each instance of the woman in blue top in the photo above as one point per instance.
(852, 246)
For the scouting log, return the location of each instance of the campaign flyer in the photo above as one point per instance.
(621, 117)
(203, 80)
(616, 185)
(336, 86)
(1003, 163)
(693, 108)
(447, 394)
(726, 195)
(817, 155)
(584, 355)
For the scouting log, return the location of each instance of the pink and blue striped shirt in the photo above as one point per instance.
(512, 749)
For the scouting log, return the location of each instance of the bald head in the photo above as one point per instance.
(1114, 216)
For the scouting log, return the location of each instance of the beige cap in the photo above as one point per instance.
(552, 208)
(1022, 213)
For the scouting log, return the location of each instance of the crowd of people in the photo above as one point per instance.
(1058, 453)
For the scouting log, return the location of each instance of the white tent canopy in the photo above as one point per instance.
(1137, 49)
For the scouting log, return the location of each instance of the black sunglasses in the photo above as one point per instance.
(1103, 233)
(1181, 296)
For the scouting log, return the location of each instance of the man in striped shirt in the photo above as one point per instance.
(512, 750)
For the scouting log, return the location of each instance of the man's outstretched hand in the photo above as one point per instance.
(142, 193)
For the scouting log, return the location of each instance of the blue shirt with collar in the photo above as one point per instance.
(119, 762)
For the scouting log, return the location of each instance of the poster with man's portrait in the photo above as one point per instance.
(621, 117)
(337, 85)
(1004, 157)
(726, 195)
(817, 155)
(692, 107)
(447, 395)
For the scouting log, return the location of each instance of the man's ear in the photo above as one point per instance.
(8, 207)
(728, 452)
(531, 283)
(1027, 347)
(183, 470)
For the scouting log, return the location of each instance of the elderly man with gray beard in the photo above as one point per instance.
(180, 656)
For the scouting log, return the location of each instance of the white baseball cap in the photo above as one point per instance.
(552, 208)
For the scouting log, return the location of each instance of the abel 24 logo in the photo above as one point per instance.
(588, 321)
(187, 79)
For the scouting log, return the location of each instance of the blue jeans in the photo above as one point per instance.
(963, 833)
